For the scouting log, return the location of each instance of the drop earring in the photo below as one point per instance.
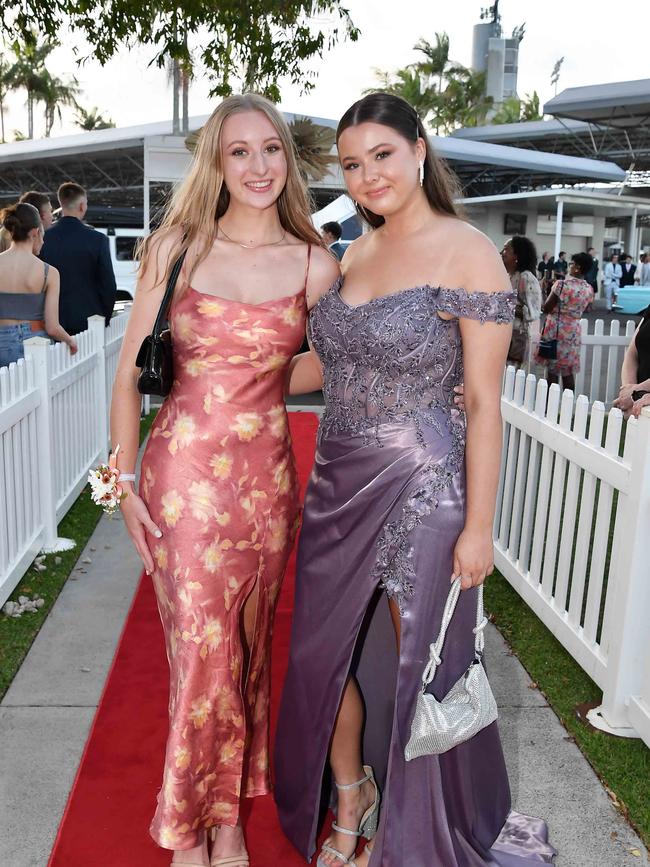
(421, 174)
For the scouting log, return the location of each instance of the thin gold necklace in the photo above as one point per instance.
(251, 246)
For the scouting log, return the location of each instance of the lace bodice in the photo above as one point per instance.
(393, 359)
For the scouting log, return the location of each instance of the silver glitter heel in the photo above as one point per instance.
(367, 825)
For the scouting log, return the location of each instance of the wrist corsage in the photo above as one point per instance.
(106, 490)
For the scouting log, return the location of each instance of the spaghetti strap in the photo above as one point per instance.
(304, 288)
(47, 269)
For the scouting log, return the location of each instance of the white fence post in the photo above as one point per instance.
(627, 636)
(97, 329)
(38, 349)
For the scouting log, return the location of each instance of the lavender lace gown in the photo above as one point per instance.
(384, 507)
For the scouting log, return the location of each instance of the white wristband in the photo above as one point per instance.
(127, 477)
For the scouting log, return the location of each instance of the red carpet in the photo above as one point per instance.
(109, 810)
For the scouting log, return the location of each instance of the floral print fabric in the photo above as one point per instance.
(574, 295)
(219, 480)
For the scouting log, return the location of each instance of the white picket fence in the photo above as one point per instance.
(53, 428)
(573, 510)
(571, 534)
(601, 359)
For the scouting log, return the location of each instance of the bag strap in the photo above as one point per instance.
(557, 316)
(435, 649)
(167, 297)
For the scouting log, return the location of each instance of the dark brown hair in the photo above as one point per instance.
(20, 219)
(440, 184)
(69, 192)
(525, 253)
(33, 197)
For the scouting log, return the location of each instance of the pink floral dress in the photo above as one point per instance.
(219, 480)
(574, 295)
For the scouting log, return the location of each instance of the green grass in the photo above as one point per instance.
(17, 634)
(623, 765)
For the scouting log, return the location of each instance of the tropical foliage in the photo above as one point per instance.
(91, 119)
(57, 93)
(5, 87)
(314, 143)
(241, 43)
(27, 71)
(446, 94)
(515, 110)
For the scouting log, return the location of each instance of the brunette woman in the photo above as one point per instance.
(29, 288)
(400, 502)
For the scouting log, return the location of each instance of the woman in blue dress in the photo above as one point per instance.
(401, 500)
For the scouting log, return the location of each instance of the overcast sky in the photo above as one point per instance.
(599, 40)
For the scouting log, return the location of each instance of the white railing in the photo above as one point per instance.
(601, 359)
(571, 531)
(53, 428)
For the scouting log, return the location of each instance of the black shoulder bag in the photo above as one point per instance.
(155, 357)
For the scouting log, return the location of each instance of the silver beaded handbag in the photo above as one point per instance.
(468, 707)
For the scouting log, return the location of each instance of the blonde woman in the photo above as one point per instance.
(216, 510)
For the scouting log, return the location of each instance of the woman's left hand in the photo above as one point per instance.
(638, 405)
(473, 557)
(625, 391)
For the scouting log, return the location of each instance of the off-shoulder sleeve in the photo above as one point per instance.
(496, 307)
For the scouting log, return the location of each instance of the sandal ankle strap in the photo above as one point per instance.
(343, 787)
(346, 831)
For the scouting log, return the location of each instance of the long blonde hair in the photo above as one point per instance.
(202, 198)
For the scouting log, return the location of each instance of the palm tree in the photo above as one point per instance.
(314, 143)
(464, 102)
(180, 72)
(411, 86)
(91, 119)
(509, 111)
(436, 59)
(445, 94)
(530, 107)
(5, 87)
(28, 72)
(57, 93)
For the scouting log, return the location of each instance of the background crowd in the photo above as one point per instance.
(53, 275)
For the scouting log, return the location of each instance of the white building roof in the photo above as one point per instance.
(454, 148)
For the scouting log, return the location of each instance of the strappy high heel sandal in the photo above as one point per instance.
(186, 863)
(367, 825)
(228, 860)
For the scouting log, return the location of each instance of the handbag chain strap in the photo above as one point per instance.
(435, 649)
(167, 297)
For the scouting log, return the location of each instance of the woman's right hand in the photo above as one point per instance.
(138, 522)
(72, 346)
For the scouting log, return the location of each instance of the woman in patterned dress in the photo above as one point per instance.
(216, 510)
(400, 501)
(519, 257)
(566, 302)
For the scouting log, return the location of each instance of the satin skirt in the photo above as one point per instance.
(451, 810)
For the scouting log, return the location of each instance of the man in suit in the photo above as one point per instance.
(629, 270)
(82, 257)
(331, 233)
